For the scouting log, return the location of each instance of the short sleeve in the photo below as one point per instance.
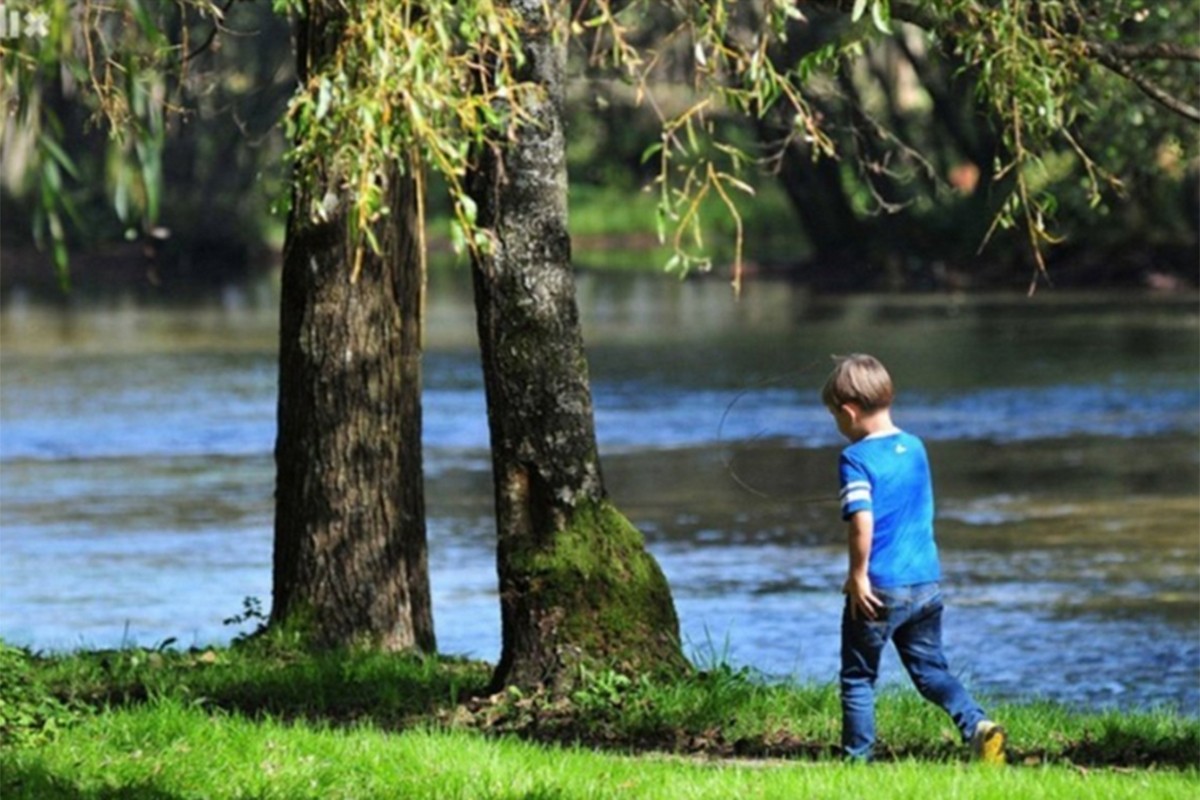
(855, 487)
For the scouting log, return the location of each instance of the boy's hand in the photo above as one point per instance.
(862, 599)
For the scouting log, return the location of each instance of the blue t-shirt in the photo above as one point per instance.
(888, 474)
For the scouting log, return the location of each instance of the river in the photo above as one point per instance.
(136, 474)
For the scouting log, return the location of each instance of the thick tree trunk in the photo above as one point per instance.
(350, 563)
(577, 586)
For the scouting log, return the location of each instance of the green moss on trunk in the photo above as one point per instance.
(607, 598)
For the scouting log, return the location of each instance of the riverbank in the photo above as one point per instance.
(614, 230)
(263, 720)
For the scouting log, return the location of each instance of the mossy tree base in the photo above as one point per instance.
(590, 599)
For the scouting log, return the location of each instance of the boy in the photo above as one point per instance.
(892, 590)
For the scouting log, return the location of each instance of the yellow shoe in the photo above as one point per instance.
(988, 743)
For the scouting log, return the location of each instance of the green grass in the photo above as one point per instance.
(615, 229)
(265, 722)
(263, 679)
(170, 750)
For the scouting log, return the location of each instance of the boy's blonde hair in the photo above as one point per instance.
(858, 378)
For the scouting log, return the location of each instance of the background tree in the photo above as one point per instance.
(164, 164)
(963, 119)
(1044, 71)
(577, 588)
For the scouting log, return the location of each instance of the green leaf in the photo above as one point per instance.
(121, 199)
(469, 209)
(483, 242)
(372, 239)
(52, 178)
(860, 6)
(660, 223)
(151, 169)
(58, 154)
(458, 238)
(58, 245)
(881, 14)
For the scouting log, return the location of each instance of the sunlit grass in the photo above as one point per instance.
(171, 749)
(615, 228)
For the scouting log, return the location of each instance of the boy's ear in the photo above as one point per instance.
(852, 410)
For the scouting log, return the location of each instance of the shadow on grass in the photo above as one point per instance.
(345, 692)
(391, 691)
(35, 783)
(1117, 747)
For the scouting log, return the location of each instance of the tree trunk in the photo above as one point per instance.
(577, 587)
(350, 562)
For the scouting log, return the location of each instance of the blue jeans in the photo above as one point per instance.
(912, 618)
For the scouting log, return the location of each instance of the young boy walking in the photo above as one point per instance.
(892, 590)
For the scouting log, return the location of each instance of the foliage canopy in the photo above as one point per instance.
(427, 85)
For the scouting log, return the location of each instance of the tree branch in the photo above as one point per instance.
(911, 11)
(1152, 51)
(212, 35)
(1115, 56)
(1148, 87)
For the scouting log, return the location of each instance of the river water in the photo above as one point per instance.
(136, 474)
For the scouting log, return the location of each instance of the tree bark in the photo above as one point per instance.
(577, 587)
(350, 560)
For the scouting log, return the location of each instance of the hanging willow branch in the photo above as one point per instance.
(725, 47)
(116, 59)
(410, 86)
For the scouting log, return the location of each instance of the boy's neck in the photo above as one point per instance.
(875, 422)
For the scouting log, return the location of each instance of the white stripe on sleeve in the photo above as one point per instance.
(855, 486)
(855, 496)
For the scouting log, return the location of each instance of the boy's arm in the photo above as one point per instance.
(860, 529)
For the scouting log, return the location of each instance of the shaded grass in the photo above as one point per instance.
(726, 712)
(262, 679)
